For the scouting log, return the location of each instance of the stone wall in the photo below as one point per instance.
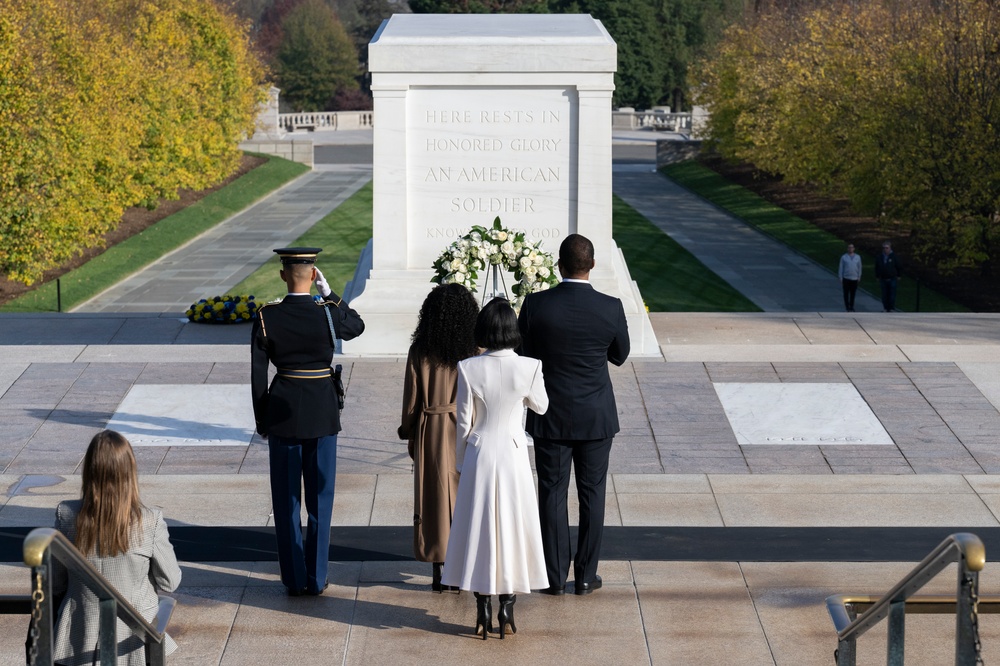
(671, 152)
(294, 150)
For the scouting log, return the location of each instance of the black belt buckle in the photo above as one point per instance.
(338, 386)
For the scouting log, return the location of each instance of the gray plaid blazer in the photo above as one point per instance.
(148, 566)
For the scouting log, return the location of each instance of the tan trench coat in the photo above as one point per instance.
(428, 423)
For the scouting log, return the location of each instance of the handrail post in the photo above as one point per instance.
(41, 583)
(108, 632)
(847, 652)
(896, 640)
(966, 629)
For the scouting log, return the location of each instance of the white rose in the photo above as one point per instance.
(507, 248)
(536, 260)
(531, 272)
(543, 286)
(456, 264)
(525, 262)
(543, 272)
(476, 236)
(502, 236)
(476, 265)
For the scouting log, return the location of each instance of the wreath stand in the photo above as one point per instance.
(498, 282)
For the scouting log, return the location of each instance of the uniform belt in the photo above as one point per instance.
(440, 409)
(321, 373)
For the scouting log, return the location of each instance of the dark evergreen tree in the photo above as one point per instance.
(316, 57)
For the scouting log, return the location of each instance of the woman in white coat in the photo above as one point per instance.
(495, 545)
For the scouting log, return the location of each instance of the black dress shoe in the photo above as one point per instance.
(587, 588)
(316, 593)
(554, 590)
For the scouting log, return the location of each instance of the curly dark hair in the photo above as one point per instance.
(444, 333)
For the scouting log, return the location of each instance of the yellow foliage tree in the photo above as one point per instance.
(109, 104)
(894, 105)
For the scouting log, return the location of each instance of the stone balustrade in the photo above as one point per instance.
(656, 119)
(325, 120)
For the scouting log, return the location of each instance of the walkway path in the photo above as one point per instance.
(772, 275)
(222, 257)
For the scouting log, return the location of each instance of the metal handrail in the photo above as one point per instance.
(966, 549)
(44, 543)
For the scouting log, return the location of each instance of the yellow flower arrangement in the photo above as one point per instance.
(228, 309)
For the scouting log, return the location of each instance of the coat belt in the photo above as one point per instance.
(440, 409)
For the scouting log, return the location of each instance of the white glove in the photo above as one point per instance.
(321, 286)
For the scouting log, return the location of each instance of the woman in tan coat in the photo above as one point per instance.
(444, 336)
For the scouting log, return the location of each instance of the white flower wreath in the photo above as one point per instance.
(533, 268)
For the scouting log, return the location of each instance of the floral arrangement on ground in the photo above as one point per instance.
(228, 309)
(534, 269)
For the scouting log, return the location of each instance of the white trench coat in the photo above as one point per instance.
(495, 545)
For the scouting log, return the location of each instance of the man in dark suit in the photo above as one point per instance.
(299, 414)
(888, 272)
(574, 330)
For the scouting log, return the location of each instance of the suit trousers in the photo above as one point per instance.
(888, 293)
(294, 463)
(589, 459)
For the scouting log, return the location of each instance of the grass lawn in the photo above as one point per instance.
(822, 247)
(670, 278)
(687, 287)
(125, 258)
(342, 234)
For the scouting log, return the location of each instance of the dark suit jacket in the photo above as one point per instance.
(887, 266)
(574, 331)
(294, 335)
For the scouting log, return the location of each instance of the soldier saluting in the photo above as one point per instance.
(298, 413)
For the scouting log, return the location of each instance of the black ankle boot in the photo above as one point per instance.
(436, 579)
(505, 614)
(484, 614)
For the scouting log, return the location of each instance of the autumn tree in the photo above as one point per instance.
(109, 104)
(893, 105)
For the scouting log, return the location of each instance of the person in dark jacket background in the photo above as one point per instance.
(888, 271)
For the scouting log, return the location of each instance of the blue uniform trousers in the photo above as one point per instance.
(293, 462)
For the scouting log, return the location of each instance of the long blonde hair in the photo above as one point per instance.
(111, 505)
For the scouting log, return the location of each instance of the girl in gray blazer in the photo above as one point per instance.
(124, 540)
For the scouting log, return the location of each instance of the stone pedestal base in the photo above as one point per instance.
(389, 302)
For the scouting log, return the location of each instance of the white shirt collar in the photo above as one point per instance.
(500, 352)
(576, 280)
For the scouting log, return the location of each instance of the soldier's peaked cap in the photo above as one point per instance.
(298, 255)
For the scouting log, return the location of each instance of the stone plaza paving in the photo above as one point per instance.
(729, 436)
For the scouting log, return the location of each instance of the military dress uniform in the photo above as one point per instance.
(299, 415)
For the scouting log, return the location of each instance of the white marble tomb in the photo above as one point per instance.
(479, 116)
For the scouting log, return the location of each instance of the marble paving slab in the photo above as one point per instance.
(799, 413)
(186, 415)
